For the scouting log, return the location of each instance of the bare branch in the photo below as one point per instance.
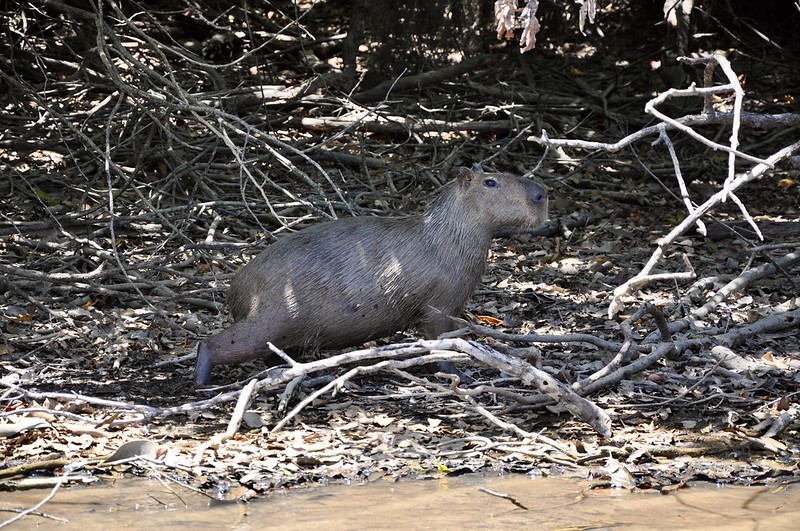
(636, 282)
(686, 125)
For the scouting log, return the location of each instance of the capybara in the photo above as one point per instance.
(344, 282)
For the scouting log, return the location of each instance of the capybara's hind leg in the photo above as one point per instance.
(202, 368)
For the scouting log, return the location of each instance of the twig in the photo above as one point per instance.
(717, 118)
(245, 396)
(501, 495)
(34, 513)
(664, 137)
(661, 351)
(629, 347)
(238, 412)
(25, 468)
(67, 470)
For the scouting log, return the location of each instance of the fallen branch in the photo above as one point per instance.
(747, 278)
(760, 121)
(560, 393)
(394, 125)
(446, 350)
(382, 91)
(468, 397)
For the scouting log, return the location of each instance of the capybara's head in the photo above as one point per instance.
(493, 200)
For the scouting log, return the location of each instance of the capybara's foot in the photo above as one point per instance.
(202, 369)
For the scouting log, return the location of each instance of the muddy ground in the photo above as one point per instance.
(114, 267)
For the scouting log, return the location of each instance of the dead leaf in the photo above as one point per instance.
(253, 419)
(12, 429)
(783, 403)
(485, 319)
(132, 449)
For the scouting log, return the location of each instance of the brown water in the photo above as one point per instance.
(449, 503)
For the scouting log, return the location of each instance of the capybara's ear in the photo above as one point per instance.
(477, 169)
(465, 176)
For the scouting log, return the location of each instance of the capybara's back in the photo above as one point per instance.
(345, 282)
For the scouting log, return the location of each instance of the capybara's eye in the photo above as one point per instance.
(490, 183)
